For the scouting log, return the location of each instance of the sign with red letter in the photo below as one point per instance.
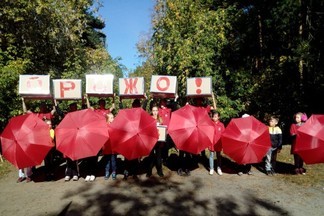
(199, 86)
(99, 84)
(132, 87)
(34, 86)
(163, 86)
(67, 89)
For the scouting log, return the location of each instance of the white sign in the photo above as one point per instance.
(99, 84)
(162, 132)
(199, 86)
(34, 85)
(164, 86)
(67, 89)
(131, 87)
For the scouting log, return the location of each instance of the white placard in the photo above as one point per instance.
(199, 86)
(67, 89)
(164, 85)
(100, 84)
(34, 85)
(162, 130)
(131, 87)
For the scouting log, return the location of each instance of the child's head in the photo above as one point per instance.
(215, 115)
(136, 103)
(110, 118)
(273, 121)
(102, 103)
(298, 117)
(155, 110)
(73, 107)
(48, 122)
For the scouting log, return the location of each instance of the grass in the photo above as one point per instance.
(313, 178)
(315, 172)
(5, 168)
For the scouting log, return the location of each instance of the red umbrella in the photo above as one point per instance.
(246, 140)
(310, 140)
(107, 147)
(81, 134)
(191, 129)
(133, 133)
(26, 141)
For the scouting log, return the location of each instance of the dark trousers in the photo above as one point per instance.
(91, 165)
(71, 168)
(155, 158)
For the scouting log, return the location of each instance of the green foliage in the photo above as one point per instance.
(60, 38)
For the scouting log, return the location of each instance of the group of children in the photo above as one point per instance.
(160, 150)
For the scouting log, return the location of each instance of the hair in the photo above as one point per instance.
(274, 118)
(102, 101)
(214, 112)
(136, 103)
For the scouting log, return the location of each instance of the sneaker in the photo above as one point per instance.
(250, 173)
(75, 178)
(160, 174)
(28, 179)
(20, 179)
(302, 171)
(67, 178)
(87, 178)
(269, 172)
(240, 173)
(125, 175)
(297, 171)
(211, 171)
(113, 175)
(148, 175)
(180, 172)
(92, 178)
(187, 171)
(219, 171)
(107, 176)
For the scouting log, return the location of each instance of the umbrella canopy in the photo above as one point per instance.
(191, 129)
(310, 140)
(81, 134)
(26, 141)
(133, 133)
(246, 140)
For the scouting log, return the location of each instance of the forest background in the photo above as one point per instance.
(265, 57)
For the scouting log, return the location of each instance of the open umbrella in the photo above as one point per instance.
(191, 129)
(133, 133)
(26, 141)
(310, 140)
(81, 134)
(246, 140)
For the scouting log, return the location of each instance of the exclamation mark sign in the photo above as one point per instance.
(198, 84)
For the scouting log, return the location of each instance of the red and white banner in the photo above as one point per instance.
(199, 86)
(34, 85)
(164, 86)
(132, 87)
(99, 84)
(67, 89)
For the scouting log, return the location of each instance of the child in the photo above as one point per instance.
(299, 121)
(48, 161)
(219, 129)
(111, 163)
(276, 142)
(155, 156)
